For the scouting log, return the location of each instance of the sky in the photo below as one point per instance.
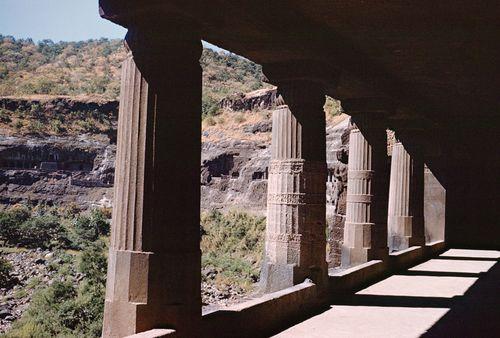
(58, 20)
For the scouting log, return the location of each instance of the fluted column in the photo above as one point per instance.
(295, 232)
(365, 231)
(406, 199)
(153, 276)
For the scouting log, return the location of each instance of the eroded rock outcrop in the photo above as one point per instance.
(257, 100)
(56, 170)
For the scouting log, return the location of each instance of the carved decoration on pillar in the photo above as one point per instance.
(295, 232)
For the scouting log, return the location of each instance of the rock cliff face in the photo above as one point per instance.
(56, 170)
(62, 164)
(257, 100)
(234, 168)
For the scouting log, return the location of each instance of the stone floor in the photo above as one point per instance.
(454, 295)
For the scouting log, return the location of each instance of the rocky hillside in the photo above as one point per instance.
(58, 127)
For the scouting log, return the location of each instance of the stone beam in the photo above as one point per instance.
(153, 276)
(365, 231)
(295, 233)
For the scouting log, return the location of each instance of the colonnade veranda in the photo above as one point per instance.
(154, 259)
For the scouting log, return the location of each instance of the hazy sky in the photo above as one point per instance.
(58, 20)
(67, 20)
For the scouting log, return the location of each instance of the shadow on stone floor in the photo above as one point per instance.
(476, 313)
(462, 300)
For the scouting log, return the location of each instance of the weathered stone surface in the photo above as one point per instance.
(154, 262)
(296, 198)
(81, 170)
(337, 148)
(434, 207)
(256, 100)
(365, 232)
(406, 200)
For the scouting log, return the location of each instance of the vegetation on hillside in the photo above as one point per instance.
(232, 244)
(39, 119)
(74, 299)
(51, 227)
(73, 305)
(65, 68)
(93, 68)
(6, 278)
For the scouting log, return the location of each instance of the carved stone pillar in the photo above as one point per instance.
(153, 276)
(406, 199)
(295, 232)
(365, 231)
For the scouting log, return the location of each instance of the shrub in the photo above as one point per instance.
(88, 125)
(4, 116)
(5, 273)
(44, 232)
(52, 227)
(85, 231)
(36, 127)
(332, 107)
(10, 223)
(89, 227)
(99, 219)
(57, 126)
(209, 106)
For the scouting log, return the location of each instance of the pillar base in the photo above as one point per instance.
(275, 277)
(401, 228)
(138, 297)
(356, 256)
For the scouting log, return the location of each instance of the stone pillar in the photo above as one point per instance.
(153, 276)
(365, 230)
(295, 234)
(406, 199)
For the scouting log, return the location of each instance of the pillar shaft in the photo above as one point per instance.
(365, 231)
(406, 199)
(295, 232)
(154, 258)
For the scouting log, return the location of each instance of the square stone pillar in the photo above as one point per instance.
(365, 231)
(153, 276)
(406, 199)
(295, 246)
